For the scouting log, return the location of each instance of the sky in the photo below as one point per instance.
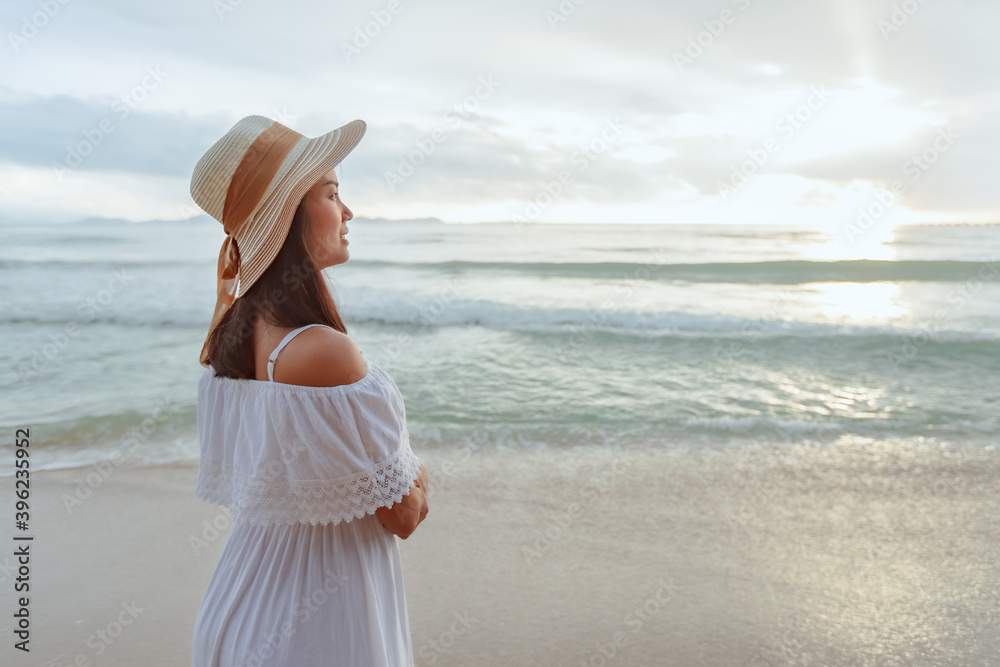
(834, 113)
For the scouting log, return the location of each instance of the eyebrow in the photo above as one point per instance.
(331, 183)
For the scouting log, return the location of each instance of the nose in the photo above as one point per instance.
(348, 214)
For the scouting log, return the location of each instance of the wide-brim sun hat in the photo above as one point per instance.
(252, 180)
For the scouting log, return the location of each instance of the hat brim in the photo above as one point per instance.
(320, 155)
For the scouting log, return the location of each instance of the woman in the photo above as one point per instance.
(308, 450)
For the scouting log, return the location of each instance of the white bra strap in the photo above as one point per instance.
(284, 341)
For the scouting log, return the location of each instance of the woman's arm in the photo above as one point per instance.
(403, 518)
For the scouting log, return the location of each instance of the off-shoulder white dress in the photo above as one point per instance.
(308, 575)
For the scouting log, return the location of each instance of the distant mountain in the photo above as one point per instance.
(198, 219)
(103, 221)
(426, 220)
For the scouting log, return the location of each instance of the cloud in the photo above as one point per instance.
(560, 83)
(103, 134)
(951, 167)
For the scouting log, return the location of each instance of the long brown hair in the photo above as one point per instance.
(292, 292)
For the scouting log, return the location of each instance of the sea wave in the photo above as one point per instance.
(786, 272)
(411, 311)
(121, 437)
(790, 272)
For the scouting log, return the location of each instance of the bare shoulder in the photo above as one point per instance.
(320, 357)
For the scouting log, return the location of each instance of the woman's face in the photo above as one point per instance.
(327, 217)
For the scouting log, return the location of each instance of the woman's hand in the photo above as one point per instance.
(421, 481)
(403, 518)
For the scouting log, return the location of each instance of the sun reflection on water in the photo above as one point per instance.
(855, 242)
(854, 303)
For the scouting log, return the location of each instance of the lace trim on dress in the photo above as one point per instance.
(257, 500)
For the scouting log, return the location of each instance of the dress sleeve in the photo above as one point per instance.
(307, 454)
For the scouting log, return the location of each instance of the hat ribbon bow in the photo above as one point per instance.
(247, 188)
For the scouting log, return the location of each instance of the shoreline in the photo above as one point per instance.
(835, 555)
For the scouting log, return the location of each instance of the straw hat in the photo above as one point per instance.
(252, 180)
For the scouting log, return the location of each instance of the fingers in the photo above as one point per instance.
(421, 480)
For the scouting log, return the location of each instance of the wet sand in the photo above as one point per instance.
(849, 554)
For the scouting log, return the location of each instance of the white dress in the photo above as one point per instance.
(308, 575)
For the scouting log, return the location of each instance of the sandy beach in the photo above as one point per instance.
(859, 553)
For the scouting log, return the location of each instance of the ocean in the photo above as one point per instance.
(677, 337)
